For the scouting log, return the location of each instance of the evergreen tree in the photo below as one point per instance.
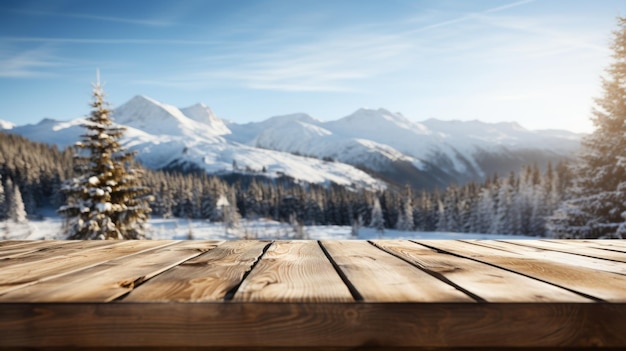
(229, 213)
(378, 222)
(597, 207)
(485, 211)
(405, 219)
(105, 200)
(502, 223)
(16, 210)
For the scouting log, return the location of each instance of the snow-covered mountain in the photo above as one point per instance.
(386, 145)
(427, 154)
(6, 125)
(167, 137)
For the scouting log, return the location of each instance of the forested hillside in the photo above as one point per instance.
(515, 204)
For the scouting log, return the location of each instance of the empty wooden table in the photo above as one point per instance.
(341, 295)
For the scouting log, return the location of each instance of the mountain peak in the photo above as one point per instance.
(379, 120)
(143, 99)
(6, 125)
(141, 112)
(203, 114)
(294, 117)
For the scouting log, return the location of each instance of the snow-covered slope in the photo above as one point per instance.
(51, 131)
(160, 119)
(203, 114)
(165, 136)
(387, 142)
(6, 125)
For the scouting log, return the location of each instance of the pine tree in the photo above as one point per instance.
(485, 211)
(15, 204)
(106, 200)
(405, 219)
(597, 208)
(378, 222)
(502, 220)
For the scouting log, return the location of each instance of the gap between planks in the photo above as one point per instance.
(109, 280)
(597, 285)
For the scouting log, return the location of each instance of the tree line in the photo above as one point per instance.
(516, 204)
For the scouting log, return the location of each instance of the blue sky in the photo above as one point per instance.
(535, 62)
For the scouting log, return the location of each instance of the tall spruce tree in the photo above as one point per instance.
(405, 219)
(15, 204)
(378, 222)
(105, 200)
(597, 208)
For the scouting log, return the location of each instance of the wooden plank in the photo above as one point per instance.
(621, 244)
(20, 275)
(6, 243)
(613, 245)
(597, 284)
(381, 277)
(112, 279)
(608, 242)
(585, 250)
(542, 251)
(490, 283)
(293, 271)
(208, 277)
(350, 325)
(69, 247)
(20, 250)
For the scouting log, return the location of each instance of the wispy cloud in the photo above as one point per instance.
(26, 64)
(325, 64)
(472, 15)
(113, 41)
(142, 22)
(508, 6)
(351, 59)
(542, 29)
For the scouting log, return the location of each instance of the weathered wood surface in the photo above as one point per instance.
(344, 295)
(294, 271)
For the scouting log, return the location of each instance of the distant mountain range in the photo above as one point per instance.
(368, 148)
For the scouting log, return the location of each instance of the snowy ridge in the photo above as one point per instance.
(203, 114)
(379, 139)
(429, 153)
(165, 136)
(6, 125)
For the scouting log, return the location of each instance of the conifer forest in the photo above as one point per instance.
(515, 204)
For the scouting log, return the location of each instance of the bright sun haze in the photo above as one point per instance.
(535, 62)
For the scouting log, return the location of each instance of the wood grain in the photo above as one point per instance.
(381, 277)
(293, 271)
(585, 250)
(5, 243)
(112, 279)
(66, 248)
(601, 285)
(20, 250)
(490, 283)
(543, 252)
(288, 325)
(294, 297)
(612, 245)
(32, 272)
(207, 277)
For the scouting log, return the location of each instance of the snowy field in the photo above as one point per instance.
(182, 229)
